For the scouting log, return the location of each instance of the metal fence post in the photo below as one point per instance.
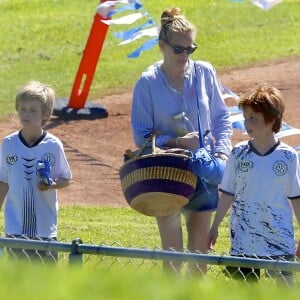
(75, 257)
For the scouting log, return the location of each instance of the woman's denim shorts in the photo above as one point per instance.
(205, 198)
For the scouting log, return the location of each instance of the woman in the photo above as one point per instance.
(165, 90)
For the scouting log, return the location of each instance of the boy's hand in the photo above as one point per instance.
(43, 187)
(43, 168)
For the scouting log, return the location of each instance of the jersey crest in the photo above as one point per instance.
(50, 158)
(280, 168)
(11, 159)
(245, 166)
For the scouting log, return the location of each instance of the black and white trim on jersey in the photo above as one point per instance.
(261, 221)
(29, 211)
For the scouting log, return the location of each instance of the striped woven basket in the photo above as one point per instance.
(158, 184)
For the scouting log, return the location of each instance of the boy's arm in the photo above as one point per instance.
(60, 183)
(57, 184)
(296, 207)
(3, 192)
(223, 206)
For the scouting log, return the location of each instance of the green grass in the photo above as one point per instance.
(39, 282)
(116, 226)
(108, 225)
(121, 278)
(45, 41)
(123, 226)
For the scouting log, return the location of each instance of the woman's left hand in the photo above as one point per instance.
(189, 141)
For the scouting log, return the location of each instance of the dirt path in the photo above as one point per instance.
(95, 147)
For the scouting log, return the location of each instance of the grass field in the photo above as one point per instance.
(48, 44)
(40, 282)
(118, 278)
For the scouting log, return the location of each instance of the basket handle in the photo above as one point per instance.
(154, 148)
(146, 143)
(136, 154)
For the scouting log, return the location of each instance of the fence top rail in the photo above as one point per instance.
(77, 247)
(28, 244)
(191, 257)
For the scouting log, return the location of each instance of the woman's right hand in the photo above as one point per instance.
(189, 141)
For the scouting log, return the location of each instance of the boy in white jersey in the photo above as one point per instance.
(261, 184)
(31, 205)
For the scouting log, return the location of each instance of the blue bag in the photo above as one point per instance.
(205, 165)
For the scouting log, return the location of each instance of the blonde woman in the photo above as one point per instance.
(166, 89)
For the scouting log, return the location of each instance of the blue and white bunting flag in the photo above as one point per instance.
(125, 20)
(148, 28)
(263, 4)
(141, 33)
(146, 46)
(297, 148)
(237, 121)
(125, 35)
(227, 93)
(234, 110)
(105, 8)
(132, 6)
(287, 130)
(266, 4)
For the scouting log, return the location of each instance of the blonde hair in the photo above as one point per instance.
(43, 93)
(172, 20)
(267, 100)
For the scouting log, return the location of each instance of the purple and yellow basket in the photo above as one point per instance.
(158, 184)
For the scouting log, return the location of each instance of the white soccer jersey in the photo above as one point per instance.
(29, 211)
(261, 217)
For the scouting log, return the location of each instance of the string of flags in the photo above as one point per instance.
(263, 4)
(148, 28)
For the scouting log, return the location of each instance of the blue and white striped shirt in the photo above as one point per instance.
(155, 102)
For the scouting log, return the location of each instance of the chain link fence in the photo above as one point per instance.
(212, 265)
